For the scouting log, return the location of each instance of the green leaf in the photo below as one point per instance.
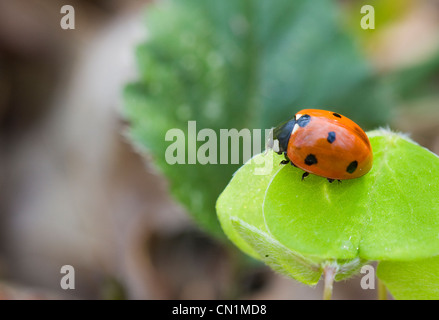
(242, 199)
(241, 64)
(276, 255)
(242, 219)
(392, 213)
(411, 280)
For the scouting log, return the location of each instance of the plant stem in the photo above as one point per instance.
(382, 290)
(328, 277)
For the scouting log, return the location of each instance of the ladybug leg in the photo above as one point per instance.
(286, 161)
(339, 181)
(304, 175)
(330, 180)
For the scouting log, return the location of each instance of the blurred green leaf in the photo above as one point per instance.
(418, 80)
(242, 64)
(391, 213)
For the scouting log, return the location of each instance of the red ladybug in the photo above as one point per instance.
(324, 143)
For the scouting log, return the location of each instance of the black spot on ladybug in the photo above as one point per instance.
(336, 115)
(310, 160)
(331, 137)
(304, 120)
(352, 167)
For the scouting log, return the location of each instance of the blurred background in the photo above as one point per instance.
(83, 114)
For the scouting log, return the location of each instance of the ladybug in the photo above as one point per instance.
(324, 143)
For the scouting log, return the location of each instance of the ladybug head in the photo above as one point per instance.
(282, 134)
